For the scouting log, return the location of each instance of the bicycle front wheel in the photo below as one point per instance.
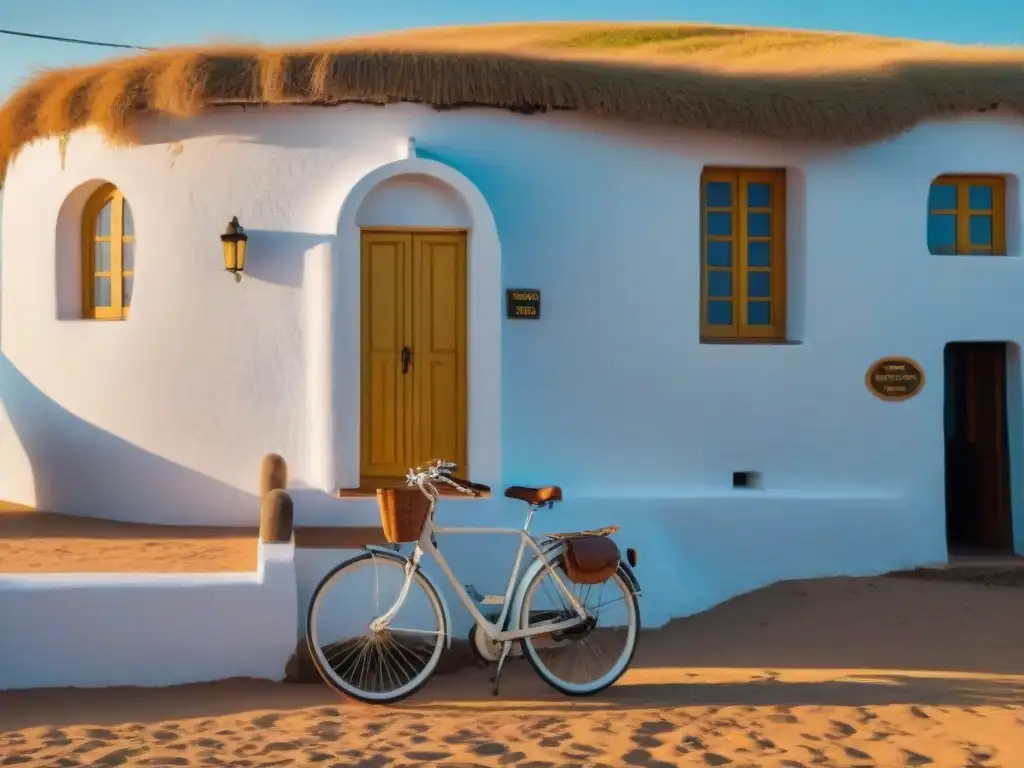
(375, 665)
(583, 660)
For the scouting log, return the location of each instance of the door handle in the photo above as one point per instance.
(406, 359)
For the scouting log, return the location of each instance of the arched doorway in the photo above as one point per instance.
(413, 347)
(428, 207)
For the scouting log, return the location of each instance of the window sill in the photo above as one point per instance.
(753, 342)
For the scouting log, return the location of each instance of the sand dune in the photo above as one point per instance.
(839, 672)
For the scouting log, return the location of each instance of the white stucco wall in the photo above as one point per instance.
(94, 630)
(164, 417)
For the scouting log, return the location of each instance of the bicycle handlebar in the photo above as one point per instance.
(478, 487)
(439, 469)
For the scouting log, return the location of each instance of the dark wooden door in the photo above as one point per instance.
(978, 512)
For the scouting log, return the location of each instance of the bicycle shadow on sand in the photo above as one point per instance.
(468, 693)
(849, 642)
(523, 691)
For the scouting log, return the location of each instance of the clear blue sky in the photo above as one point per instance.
(163, 22)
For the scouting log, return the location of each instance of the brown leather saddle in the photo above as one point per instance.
(534, 496)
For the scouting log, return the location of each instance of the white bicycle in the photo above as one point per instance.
(384, 640)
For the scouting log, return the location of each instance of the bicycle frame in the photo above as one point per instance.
(491, 630)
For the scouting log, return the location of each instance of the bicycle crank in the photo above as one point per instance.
(489, 651)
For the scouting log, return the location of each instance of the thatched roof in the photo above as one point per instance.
(790, 84)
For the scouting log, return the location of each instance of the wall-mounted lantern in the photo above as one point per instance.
(234, 240)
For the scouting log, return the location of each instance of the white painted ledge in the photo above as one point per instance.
(106, 629)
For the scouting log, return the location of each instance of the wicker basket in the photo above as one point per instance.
(403, 512)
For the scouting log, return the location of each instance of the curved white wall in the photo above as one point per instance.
(610, 394)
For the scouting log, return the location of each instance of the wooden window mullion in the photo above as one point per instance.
(740, 259)
(963, 218)
(734, 244)
(116, 253)
(737, 255)
(999, 219)
(779, 269)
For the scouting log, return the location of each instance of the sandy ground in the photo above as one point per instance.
(40, 542)
(840, 672)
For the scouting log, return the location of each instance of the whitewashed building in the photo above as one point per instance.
(719, 311)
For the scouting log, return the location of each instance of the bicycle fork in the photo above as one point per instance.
(382, 622)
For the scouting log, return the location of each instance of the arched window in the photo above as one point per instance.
(108, 255)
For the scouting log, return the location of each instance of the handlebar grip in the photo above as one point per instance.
(478, 487)
(442, 464)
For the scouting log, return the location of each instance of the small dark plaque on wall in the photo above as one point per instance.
(895, 378)
(523, 303)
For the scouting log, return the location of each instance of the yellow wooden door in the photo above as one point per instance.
(414, 351)
(439, 348)
(386, 323)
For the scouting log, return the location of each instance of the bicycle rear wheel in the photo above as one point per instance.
(375, 667)
(584, 660)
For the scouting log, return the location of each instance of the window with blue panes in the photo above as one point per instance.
(743, 254)
(967, 216)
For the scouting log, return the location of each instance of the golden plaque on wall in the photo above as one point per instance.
(895, 378)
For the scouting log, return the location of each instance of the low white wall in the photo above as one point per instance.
(93, 630)
(694, 551)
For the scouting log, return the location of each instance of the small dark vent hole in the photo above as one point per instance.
(746, 479)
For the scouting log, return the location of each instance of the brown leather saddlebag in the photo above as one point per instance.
(591, 559)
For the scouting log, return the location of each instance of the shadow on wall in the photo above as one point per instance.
(68, 250)
(80, 469)
(278, 257)
(292, 126)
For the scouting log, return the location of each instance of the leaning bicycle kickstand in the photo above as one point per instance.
(506, 649)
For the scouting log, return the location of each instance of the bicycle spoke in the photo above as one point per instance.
(357, 649)
(599, 606)
(427, 632)
(585, 657)
(390, 653)
(582, 660)
(603, 663)
(401, 655)
(360, 661)
(378, 664)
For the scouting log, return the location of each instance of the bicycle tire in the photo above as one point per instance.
(317, 656)
(625, 582)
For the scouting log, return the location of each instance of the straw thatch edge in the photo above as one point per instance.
(879, 95)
